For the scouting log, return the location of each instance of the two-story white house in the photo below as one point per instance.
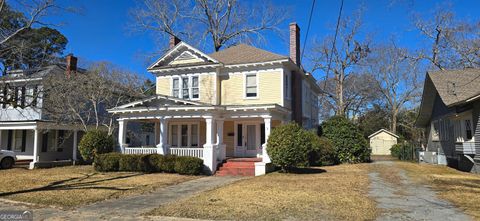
(224, 104)
(24, 125)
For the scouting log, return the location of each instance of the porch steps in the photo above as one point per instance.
(238, 167)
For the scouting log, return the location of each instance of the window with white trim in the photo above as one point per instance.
(184, 135)
(186, 87)
(176, 87)
(468, 129)
(251, 85)
(463, 128)
(174, 137)
(194, 88)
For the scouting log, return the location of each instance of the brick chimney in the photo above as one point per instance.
(174, 41)
(295, 43)
(71, 64)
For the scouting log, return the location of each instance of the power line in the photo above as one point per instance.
(308, 30)
(333, 44)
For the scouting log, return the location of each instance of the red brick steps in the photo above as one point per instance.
(238, 167)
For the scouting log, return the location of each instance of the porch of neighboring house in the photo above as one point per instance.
(40, 143)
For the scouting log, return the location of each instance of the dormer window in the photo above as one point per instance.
(186, 87)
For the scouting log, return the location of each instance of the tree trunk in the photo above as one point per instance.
(393, 126)
(339, 95)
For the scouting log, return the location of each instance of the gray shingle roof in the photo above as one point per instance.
(242, 53)
(456, 86)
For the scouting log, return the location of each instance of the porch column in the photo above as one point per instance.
(220, 145)
(162, 147)
(268, 123)
(122, 134)
(36, 136)
(75, 145)
(209, 153)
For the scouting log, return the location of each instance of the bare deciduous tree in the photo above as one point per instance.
(216, 23)
(397, 78)
(347, 54)
(84, 97)
(453, 43)
(34, 11)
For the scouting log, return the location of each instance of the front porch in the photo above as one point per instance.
(213, 139)
(40, 143)
(212, 133)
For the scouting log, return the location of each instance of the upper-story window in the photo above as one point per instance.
(195, 90)
(186, 87)
(185, 91)
(176, 87)
(251, 85)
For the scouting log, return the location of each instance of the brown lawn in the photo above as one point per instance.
(460, 188)
(339, 193)
(77, 185)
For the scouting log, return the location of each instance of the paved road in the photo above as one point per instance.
(410, 201)
(129, 208)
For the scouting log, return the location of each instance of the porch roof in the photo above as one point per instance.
(161, 106)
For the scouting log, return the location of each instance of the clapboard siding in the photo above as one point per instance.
(476, 122)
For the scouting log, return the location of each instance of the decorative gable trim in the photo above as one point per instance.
(158, 97)
(179, 47)
(383, 130)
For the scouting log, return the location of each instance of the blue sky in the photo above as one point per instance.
(101, 32)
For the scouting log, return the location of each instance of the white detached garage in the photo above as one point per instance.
(381, 142)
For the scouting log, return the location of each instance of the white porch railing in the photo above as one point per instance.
(191, 152)
(140, 150)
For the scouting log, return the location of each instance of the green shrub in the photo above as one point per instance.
(289, 146)
(107, 162)
(131, 163)
(323, 152)
(349, 143)
(151, 163)
(93, 143)
(189, 165)
(167, 163)
(402, 151)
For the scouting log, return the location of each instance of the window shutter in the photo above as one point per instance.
(24, 140)
(9, 139)
(45, 142)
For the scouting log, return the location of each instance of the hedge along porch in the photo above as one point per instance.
(209, 132)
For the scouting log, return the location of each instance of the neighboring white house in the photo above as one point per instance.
(381, 142)
(24, 125)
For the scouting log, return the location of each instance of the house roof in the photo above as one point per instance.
(242, 53)
(383, 130)
(36, 73)
(454, 87)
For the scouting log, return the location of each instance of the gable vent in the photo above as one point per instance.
(185, 56)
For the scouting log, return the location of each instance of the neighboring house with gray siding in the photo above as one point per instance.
(24, 125)
(450, 112)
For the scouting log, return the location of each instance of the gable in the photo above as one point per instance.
(158, 101)
(182, 55)
(187, 57)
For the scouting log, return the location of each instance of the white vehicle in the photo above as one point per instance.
(7, 159)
